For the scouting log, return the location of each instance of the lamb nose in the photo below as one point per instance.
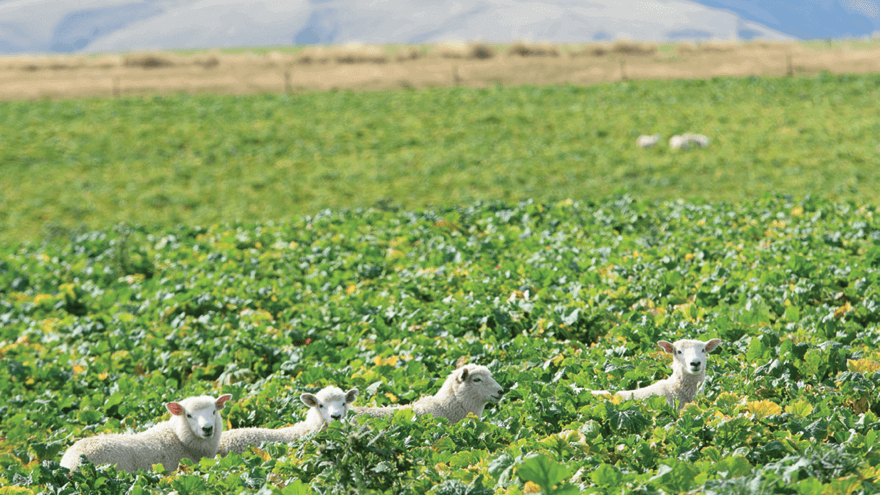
(695, 364)
(335, 416)
(207, 429)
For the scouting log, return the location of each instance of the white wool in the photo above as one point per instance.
(328, 405)
(688, 140)
(193, 432)
(645, 141)
(689, 361)
(466, 390)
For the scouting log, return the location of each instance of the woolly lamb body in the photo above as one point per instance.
(689, 361)
(688, 141)
(378, 412)
(466, 390)
(645, 141)
(328, 405)
(192, 432)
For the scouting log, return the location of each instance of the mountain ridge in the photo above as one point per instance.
(59, 26)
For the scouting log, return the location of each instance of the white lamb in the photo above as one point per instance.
(689, 361)
(192, 432)
(687, 140)
(645, 141)
(328, 405)
(466, 390)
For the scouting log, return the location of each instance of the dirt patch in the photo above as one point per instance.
(367, 68)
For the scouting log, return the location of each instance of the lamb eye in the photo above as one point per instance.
(321, 406)
(679, 352)
(477, 380)
(188, 415)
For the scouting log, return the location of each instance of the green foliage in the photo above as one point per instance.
(358, 461)
(80, 165)
(547, 474)
(550, 296)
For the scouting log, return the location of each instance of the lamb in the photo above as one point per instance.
(328, 405)
(645, 141)
(686, 140)
(466, 390)
(192, 432)
(689, 361)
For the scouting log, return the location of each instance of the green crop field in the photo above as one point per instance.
(72, 166)
(99, 331)
(271, 245)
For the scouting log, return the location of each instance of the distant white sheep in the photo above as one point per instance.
(466, 390)
(689, 361)
(192, 432)
(688, 140)
(645, 141)
(328, 405)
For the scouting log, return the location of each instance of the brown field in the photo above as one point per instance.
(359, 67)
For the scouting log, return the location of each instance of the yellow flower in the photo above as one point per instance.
(43, 298)
(531, 488)
(262, 453)
(391, 361)
(839, 312)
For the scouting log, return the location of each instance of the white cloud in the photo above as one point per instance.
(866, 7)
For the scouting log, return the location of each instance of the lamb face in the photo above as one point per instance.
(328, 405)
(690, 356)
(202, 417)
(331, 403)
(478, 382)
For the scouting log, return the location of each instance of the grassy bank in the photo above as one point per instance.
(70, 166)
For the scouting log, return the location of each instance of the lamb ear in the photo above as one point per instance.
(221, 401)
(309, 400)
(175, 408)
(351, 395)
(463, 376)
(666, 346)
(712, 344)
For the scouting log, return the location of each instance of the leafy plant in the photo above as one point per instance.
(553, 297)
(547, 474)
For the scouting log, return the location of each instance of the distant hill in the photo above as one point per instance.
(127, 25)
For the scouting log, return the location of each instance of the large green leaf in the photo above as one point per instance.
(544, 472)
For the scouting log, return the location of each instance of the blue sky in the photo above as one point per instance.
(808, 19)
